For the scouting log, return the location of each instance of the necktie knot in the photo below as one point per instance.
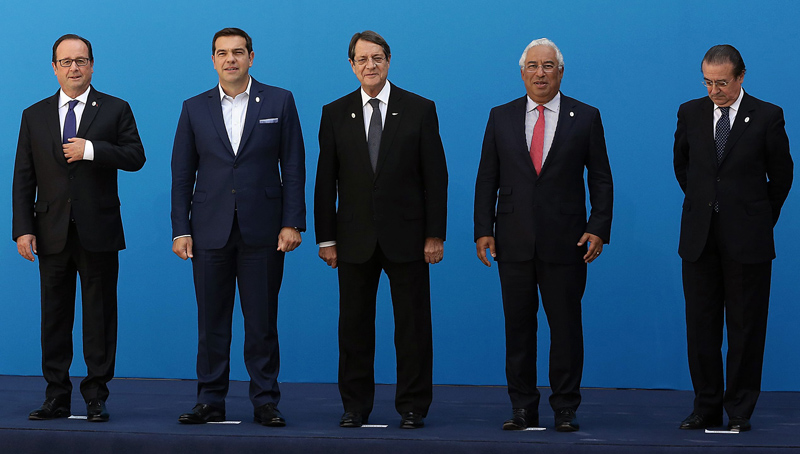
(724, 111)
(375, 103)
(540, 108)
(73, 103)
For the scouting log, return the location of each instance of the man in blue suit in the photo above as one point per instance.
(238, 204)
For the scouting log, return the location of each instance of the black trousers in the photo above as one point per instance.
(411, 302)
(720, 291)
(258, 271)
(98, 273)
(562, 288)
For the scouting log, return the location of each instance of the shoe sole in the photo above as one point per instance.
(270, 423)
(56, 415)
(566, 428)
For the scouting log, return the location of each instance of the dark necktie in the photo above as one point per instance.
(720, 137)
(374, 133)
(722, 132)
(70, 122)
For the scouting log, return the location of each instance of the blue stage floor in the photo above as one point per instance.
(462, 419)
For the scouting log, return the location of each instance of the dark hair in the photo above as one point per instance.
(371, 36)
(725, 53)
(232, 31)
(73, 36)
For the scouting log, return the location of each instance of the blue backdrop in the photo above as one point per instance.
(635, 61)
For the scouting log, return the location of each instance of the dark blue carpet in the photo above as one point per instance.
(462, 419)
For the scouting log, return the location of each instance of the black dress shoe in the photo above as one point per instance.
(201, 414)
(96, 411)
(352, 419)
(411, 420)
(697, 421)
(739, 423)
(269, 415)
(520, 420)
(566, 421)
(51, 408)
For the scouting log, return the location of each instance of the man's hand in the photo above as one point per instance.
(26, 246)
(182, 247)
(289, 239)
(483, 243)
(73, 151)
(595, 246)
(328, 255)
(434, 250)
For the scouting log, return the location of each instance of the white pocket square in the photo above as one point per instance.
(268, 120)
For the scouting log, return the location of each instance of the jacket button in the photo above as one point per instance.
(710, 203)
(233, 191)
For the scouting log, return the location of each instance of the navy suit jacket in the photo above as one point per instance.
(750, 183)
(398, 205)
(85, 191)
(543, 215)
(264, 183)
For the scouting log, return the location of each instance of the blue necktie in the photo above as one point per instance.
(374, 133)
(70, 122)
(720, 137)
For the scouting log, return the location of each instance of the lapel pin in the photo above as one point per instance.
(747, 119)
(572, 114)
(94, 103)
(394, 113)
(353, 115)
(258, 99)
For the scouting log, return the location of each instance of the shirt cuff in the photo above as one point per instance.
(181, 236)
(327, 244)
(88, 151)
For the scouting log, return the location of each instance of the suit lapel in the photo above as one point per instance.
(215, 111)
(517, 124)
(93, 103)
(254, 103)
(394, 114)
(742, 121)
(53, 124)
(566, 118)
(355, 118)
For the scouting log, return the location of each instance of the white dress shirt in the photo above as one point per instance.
(63, 108)
(234, 112)
(731, 112)
(551, 109)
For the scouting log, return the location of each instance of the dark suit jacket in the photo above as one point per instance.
(403, 201)
(750, 183)
(87, 189)
(545, 214)
(264, 182)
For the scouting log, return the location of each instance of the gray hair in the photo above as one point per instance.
(542, 42)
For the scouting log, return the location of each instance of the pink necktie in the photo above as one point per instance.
(537, 142)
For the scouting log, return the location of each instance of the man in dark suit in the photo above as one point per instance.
(238, 205)
(732, 162)
(381, 154)
(530, 212)
(66, 211)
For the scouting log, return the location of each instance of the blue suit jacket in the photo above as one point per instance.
(264, 182)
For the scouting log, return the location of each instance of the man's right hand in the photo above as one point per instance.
(182, 247)
(26, 246)
(483, 243)
(328, 254)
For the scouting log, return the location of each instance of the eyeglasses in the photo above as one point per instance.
(67, 62)
(719, 83)
(363, 61)
(547, 67)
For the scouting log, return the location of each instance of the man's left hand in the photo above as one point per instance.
(434, 250)
(289, 239)
(595, 246)
(73, 150)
